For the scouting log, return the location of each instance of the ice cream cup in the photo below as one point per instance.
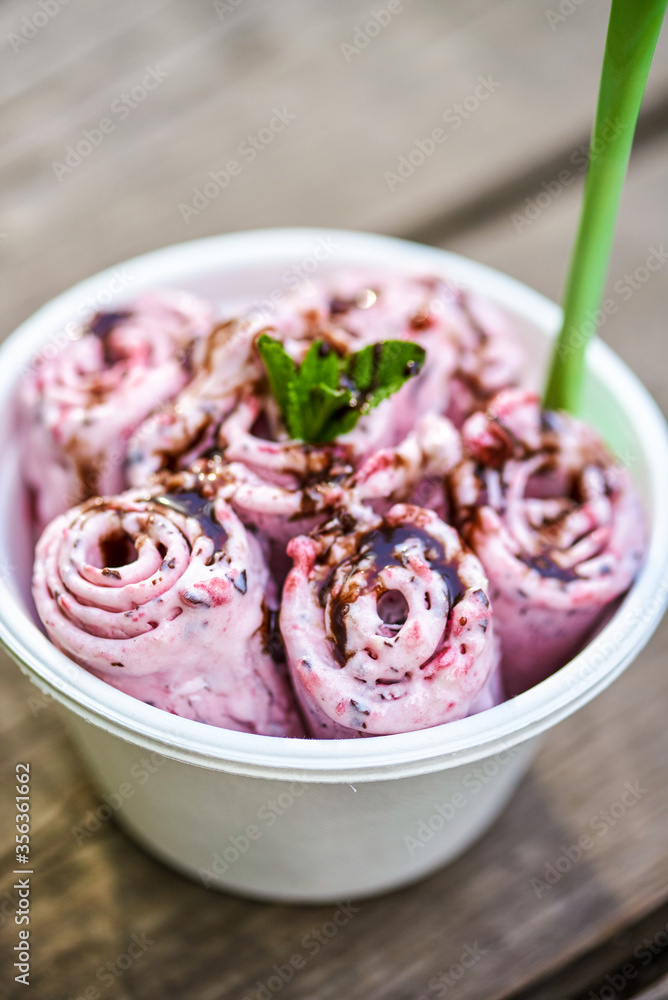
(308, 820)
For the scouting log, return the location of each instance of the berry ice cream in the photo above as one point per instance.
(227, 417)
(414, 471)
(387, 626)
(225, 364)
(473, 351)
(345, 503)
(555, 521)
(78, 409)
(166, 596)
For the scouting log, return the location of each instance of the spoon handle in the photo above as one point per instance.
(633, 31)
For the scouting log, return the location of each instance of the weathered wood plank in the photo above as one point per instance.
(354, 120)
(657, 992)
(625, 965)
(536, 250)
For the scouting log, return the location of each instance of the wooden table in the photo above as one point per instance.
(512, 85)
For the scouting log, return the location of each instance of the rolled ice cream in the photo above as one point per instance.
(387, 625)
(555, 521)
(168, 598)
(78, 408)
(346, 506)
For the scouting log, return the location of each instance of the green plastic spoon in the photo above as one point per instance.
(633, 31)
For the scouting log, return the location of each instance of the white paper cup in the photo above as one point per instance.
(309, 820)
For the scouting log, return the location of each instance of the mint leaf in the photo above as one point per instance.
(323, 406)
(325, 396)
(379, 370)
(283, 382)
(321, 394)
(321, 366)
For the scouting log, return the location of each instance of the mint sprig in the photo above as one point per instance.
(326, 395)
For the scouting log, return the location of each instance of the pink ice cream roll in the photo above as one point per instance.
(387, 625)
(414, 472)
(284, 487)
(287, 488)
(557, 524)
(281, 487)
(165, 596)
(227, 409)
(225, 365)
(78, 409)
(472, 351)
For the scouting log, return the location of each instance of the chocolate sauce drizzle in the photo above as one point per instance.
(193, 504)
(510, 446)
(548, 568)
(272, 638)
(384, 546)
(102, 325)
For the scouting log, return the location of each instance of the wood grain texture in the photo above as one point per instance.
(354, 120)
(657, 992)
(632, 960)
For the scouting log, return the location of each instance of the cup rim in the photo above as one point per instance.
(477, 737)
